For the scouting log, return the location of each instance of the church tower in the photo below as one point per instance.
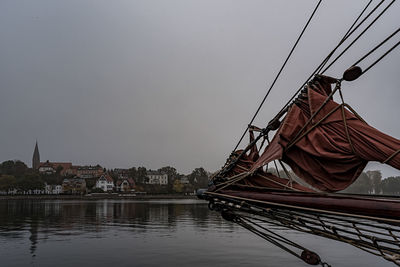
(36, 158)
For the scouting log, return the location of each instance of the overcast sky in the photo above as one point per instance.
(154, 83)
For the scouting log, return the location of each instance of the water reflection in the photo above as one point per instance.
(145, 233)
(74, 218)
(92, 215)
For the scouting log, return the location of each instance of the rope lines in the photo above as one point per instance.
(279, 73)
(376, 47)
(348, 33)
(351, 30)
(358, 37)
(279, 240)
(370, 235)
(378, 236)
(380, 58)
(355, 25)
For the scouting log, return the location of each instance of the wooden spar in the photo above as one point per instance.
(372, 209)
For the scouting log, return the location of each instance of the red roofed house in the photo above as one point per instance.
(89, 171)
(74, 186)
(126, 185)
(52, 167)
(105, 182)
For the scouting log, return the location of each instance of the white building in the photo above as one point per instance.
(154, 177)
(53, 189)
(105, 182)
(46, 168)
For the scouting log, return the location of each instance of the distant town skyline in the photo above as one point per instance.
(386, 170)
(171, 83)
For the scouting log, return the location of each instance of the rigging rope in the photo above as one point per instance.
(279, 73)
(370, 234)
(278, 240)
(358, 37)
(349, 32)
(379, 59)
(346, 36)
(376, 47)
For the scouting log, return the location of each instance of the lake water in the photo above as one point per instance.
(146, 233)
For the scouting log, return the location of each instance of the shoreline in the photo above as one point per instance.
(95, 197)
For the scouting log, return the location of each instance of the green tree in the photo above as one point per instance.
(376, 179)
(391, 185)
(7, 182)
(141, 175)
(178, 186)
(113, 174)
(198, 177)
(172, 176)
(170, 171)
(132, 172)
(51, 178)
(90, 182)
(14, 167)
(30, 182)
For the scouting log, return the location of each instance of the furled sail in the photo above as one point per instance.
(324, 143)
(327, 145)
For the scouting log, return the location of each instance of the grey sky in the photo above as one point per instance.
(156, 83)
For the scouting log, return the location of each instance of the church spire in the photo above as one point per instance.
(36, 157)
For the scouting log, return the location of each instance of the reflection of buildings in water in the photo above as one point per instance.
(158, 213)
(44, 218)
(126, 212)
(52, 209)
(33, 238)
(89, 216)
(104, 211)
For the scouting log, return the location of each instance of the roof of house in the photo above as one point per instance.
(107, 177)
(64, 165)
(154, 173)
(97, 167)
(75, 179)
(129, 180)
(45, 164)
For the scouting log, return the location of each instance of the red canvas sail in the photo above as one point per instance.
(335, 150)
(327, 145)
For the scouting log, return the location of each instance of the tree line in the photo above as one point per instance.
(369, 182)
(14, 174)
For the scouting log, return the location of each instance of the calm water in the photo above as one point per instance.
(148, 233)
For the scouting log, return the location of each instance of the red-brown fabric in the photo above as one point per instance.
(242, 165)
(253, 156)
(324, 157)
(259, 178)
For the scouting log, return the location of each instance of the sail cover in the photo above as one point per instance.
(333, 149)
